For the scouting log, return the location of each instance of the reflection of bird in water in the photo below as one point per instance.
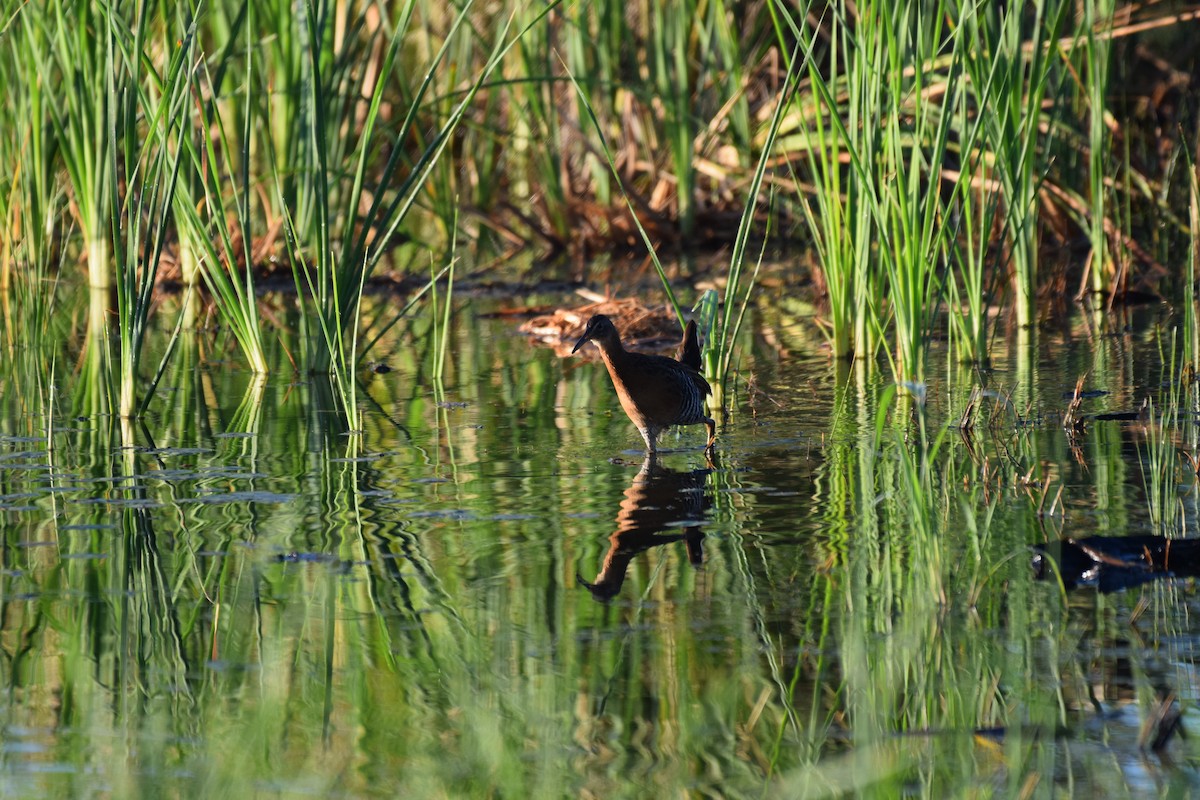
(655, 391)
(660, 506)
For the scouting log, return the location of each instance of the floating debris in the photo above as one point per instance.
(643, 328)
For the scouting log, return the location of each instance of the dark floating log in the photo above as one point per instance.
(1113, 563)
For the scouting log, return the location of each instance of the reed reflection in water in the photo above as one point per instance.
(661, 506)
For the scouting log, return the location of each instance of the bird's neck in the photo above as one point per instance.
(611, 350)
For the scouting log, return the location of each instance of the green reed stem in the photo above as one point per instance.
(442, 336)
(737, 295)
(1019, 58)
(148, 112)
(223, 236)
(347, 245)
(1098, 21)
(73, 61)
(837, 120)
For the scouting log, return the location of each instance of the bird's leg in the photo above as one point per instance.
(712, 434)
(650, 435)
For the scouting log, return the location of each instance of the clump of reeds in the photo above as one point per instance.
(917, 154)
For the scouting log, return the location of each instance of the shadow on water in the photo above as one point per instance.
(661, 506)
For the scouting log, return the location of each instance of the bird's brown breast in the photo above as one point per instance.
(655, 390)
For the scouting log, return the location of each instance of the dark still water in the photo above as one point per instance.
(487, 592)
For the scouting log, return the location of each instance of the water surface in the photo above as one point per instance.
(487, 592)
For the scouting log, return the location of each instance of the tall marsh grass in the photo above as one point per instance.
(213, 213)
(915, 156)
(32, 222)
(147, 113)
(925, 130)
(1098, 24)
(349, 243)
(67, 42)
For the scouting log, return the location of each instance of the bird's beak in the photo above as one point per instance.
(582, 341)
